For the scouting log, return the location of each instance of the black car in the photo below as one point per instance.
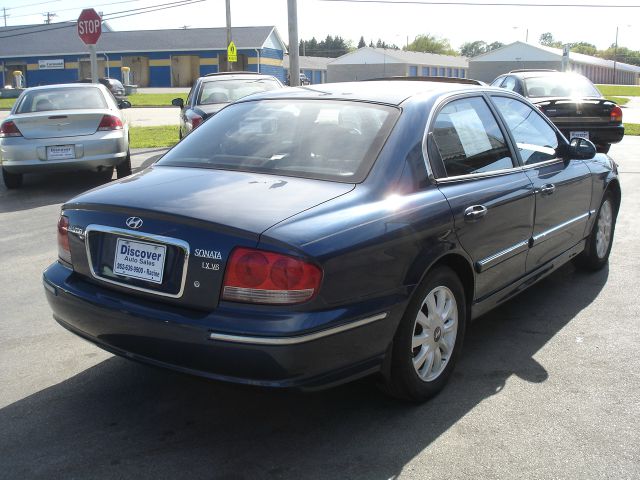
(215, 91)
(570, 101)
(114, 86)
(309, 236)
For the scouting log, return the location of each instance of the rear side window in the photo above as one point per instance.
(469, 140)
(225, 91)
(319, 139)
(535, 139)
(67, 98)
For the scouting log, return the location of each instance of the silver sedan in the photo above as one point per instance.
(64, 128)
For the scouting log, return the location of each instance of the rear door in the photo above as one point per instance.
(491, 198)
(562, 187)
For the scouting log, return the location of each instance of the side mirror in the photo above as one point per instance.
(177, 102)
(124, 104)
(581, 149)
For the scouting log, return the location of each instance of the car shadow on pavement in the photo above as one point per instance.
(39, 190)
(120, 419)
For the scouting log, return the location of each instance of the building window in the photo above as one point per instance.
(413, 71)
(441, 72)
(463, 73)
(425, 71)
(455, 73)
(434, 71)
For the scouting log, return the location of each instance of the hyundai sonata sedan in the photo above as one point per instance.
(64, 128)
(308, 237)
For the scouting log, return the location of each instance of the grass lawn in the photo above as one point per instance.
(153, 137)
(632, 128)
(154, 99)
(618, 100)
(616, 90)
(6, 103)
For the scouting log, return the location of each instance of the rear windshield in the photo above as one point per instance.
(319, 139)
(226, 91)
(61, 99)
(561, 86)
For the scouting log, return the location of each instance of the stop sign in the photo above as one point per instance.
(89, 26)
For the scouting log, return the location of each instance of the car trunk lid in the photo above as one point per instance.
(570, 110)
(187, 231)
(56, 124)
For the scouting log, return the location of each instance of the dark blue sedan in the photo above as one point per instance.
(306, 237)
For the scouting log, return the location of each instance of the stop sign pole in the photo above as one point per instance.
(89, 30)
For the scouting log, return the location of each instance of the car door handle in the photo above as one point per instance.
(475, 212)
(548, 189)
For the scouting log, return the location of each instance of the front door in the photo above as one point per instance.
(563, 187)
(491, 198)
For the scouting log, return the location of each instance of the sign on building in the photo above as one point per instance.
(51, 64)
(232, 53)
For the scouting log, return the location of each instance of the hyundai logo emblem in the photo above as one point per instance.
(134, 222)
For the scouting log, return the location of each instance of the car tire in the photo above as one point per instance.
(124, 168)
(106, 174)
(603, 148)
(599, 242)
(11, 180)
(429, 338)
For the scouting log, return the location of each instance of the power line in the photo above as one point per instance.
(33, 4)
(72, 23)
(483, 4)
(74, 8)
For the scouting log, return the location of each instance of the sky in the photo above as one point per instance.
(393, 22)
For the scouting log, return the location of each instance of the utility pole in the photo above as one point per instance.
(228, 5)
(615, 57)
(294, 53)
(4, 14)
(49, 16)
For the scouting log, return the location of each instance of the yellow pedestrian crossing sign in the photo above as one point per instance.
(232, 54)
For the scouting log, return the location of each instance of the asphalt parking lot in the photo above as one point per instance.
(548, 386)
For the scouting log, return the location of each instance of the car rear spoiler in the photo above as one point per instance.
(466, 81)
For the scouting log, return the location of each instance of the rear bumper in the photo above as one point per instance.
(103, 149)
(188, 341)
(599, 135)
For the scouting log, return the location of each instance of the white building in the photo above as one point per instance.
(368, 62)
(521, 55)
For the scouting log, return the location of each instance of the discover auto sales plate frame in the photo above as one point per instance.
(140, 260)
(140, 237)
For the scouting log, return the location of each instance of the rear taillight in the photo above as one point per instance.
(64, 252)
(616, 114)
(196, 120)
(110, 122)
(256, 276)
(9, 129)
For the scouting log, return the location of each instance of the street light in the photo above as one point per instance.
(615, 55)
(526, 35)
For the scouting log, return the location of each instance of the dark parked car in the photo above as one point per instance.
(215, 91)
(306, 237)
(571, 101)
(114, 86)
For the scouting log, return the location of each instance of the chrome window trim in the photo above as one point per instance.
(139, 236)
(543, 164)
(493, 173)
(542, 236)
(496, 258)
(223, 337)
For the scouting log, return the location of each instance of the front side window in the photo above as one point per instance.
(70, 98)
(535, 139)
(509, 83)
(469, 140)
(318, 139)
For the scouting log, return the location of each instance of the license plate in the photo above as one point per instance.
(578, 135)
(141, 260)
(61, 152)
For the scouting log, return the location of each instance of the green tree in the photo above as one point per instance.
(473, 49)
(584, 48)
(431, 44)
(362, 43)
(547, 40)
(494, 46)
